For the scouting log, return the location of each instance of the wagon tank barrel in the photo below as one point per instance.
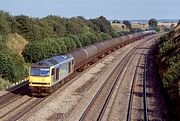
(54, 72)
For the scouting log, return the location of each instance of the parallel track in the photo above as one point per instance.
(12, 99)
(20, 91)
(117, 71)
(21, 109)
(14, 94)
(144, 90)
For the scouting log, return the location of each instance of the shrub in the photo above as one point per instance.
(171, 77)
(40, 50)
(104, 36)
(4, 83)
(12, 67)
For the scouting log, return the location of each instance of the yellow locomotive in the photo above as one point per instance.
(44, 75)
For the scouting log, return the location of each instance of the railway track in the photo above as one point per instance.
(14, 113)
(97, 106)
(17, 102)
(16, 110)
(133, 88)
(13, 94)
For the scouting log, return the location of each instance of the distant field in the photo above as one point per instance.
(140, 26)
(167, 24)
(119, 27)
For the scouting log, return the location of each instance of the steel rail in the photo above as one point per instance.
(144, 90)
(111, 91)
(13, 92)
(132, 92)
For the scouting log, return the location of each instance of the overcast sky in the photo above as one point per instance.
(111, 9)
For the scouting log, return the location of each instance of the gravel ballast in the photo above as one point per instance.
(69, 102)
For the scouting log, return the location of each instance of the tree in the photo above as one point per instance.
(178, 22)
(56, 24)
(153, 23)
(12, 67)
(128, 24)
(101, 24)
(4, 24)
(40, 50)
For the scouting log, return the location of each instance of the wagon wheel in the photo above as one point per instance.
(40, 91)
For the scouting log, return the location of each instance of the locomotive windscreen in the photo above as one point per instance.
(39, 71)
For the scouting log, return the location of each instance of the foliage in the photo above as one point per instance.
(172, 76)
(11, 66)
(76, 40)
(101, 24)
(128, 24)
(48, 36)
(4, 24)
(178, 22)
(40, 50)
(116, 21)
(4, 83)
(168, 55)
(152, 23)
(103, 36)
(163, 38)
(49, 47)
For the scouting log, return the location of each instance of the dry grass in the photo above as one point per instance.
(140, 26)
(176, 32)
(166, 24)
(119, 27)
(16, 43)
(4, 83)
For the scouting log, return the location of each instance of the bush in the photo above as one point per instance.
(4, 24)
(165, 48)
(4, 83)
(168, 55)
(12, 67)
(70, 43)
(172, 76)
(162, 39)
(85, 40)
(40, 50)
(104, 36)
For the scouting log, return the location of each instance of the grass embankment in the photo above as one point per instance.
(16, 43)
(168, 61)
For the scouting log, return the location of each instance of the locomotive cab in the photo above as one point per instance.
(46, 74)
(40, 76)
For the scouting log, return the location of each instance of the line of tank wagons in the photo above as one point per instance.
(50, 74)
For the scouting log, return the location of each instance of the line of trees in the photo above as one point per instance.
(47, 37)
(49, 47)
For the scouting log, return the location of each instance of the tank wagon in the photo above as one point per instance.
(50, 74)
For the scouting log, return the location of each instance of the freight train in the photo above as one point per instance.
(48, 75)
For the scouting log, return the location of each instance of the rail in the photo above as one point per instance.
(111, 90)
(132, 92)
(144, 90)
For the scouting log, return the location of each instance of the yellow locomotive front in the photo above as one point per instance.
(47, 75)
(40, 79)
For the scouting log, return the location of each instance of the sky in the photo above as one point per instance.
(111, 9)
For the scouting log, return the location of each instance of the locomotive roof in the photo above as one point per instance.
(53, 61)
